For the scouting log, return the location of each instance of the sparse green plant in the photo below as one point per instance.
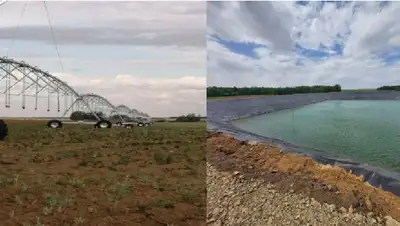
(140, 208)
(51, 199)
(47, 210)
(165, 203)
(188, 197)
(76, 182)
(123, 160)
(121, 188)
(159, 158)
(169, 159)
(67, 155)
(78, 220)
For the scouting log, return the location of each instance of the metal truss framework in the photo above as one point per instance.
(95, 104)
(132, 113)
(33, 81)
(140, 114)
(124, 110)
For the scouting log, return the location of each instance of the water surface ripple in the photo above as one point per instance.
(363, 130)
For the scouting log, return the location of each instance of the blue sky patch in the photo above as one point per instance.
(242, 48)
(339, 4)
(247, 49)
(384, 4)
(311, 53)
(302, 3)
(322, 53)
(338, 49)
(390, 57)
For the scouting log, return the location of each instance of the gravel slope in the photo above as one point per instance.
(233, 200)
(255, 184)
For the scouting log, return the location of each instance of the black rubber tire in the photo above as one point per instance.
(98, 125)
(3, 130)
(54, 124)
(146, 124)
(140, 124)
(119, 123)
(128, 126)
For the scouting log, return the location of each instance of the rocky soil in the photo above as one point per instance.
(233, 200)
(286, 190)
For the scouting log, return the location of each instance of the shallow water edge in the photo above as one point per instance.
(220, 114)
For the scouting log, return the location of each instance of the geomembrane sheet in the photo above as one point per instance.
(221, 112)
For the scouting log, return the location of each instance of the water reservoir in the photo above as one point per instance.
(363, 130)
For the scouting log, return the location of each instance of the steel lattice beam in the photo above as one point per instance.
(18, 73)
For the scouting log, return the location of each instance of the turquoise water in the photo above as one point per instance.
(365, 131)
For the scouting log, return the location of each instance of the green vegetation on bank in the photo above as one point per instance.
(358, 90)
(391, 88)
(247, 91)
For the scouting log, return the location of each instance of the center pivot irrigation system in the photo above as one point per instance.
(32, 82)
(37, 84)
(133, 115)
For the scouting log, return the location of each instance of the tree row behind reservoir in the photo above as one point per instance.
(215, 91)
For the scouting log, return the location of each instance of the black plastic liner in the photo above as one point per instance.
(221, 112)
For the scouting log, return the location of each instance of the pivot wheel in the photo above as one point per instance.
(103, 124)
(140, 124)
(54, 124)
(128, 126)
(3, 130)
(119, 123)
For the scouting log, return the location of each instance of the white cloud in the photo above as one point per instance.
(119, 23)
(156, 96)
(160, 72)
(366, 34)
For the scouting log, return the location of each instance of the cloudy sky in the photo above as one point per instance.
(354, 44)
(147, 55)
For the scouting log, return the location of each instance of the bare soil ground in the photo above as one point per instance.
(80, 176)
(291, 173)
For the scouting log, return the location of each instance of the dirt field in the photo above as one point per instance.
(292, 173)
(79, 176)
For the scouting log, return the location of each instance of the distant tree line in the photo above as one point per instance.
(215, 91)
(391, 88)
(160, 120)
(189, 118)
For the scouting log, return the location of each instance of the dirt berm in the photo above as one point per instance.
(290, 173)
